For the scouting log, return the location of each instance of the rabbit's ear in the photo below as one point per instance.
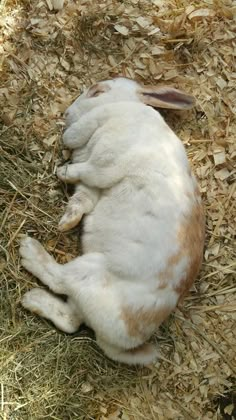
(97, 90)
(166, 97)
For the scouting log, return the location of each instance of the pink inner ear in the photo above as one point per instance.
(172, 97)
(97, 90)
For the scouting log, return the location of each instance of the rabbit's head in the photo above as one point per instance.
(123, 89)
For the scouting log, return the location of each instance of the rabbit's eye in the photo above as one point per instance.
(96, 93)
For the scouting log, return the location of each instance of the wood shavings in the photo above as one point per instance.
(201, 13)
(121, 29)
(65, 64)
(222, 174)
(158, 50)
(50, 140)
(221, 83)
(57, 4)
(219, 155)
(143, 22)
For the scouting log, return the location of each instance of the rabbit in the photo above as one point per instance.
(144, 222)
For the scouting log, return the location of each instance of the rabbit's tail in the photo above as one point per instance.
(142, 355)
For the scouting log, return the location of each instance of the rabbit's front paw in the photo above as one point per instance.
(71, 137)
(62, 172)
(69, 173)
(70, 219)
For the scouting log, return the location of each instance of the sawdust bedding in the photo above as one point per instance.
(46, 58)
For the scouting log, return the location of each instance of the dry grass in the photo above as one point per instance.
(45, 59)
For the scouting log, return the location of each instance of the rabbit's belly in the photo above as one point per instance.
(135, 244)
(137, 228)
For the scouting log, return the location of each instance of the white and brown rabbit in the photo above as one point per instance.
(143, 232)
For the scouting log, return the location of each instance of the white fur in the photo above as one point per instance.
(131, 174)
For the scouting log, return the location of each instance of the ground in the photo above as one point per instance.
(46, 59)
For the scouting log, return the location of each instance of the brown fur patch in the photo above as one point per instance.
(191, 238)
(191, 242)
(139, 321)
(197, 190)
(165, 275)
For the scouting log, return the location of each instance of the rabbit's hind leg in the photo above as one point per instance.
(38, 262)
(143, 354)
(51, 307)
